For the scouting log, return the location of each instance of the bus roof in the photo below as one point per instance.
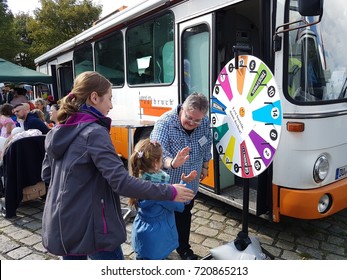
(102, 26)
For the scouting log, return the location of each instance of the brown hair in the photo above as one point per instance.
(40, 114)
(146, 153)
(85, 84)
(6, 110)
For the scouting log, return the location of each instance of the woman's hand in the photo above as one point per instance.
(183, 194)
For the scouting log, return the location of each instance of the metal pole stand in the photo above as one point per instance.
(244, 247)
(248, 248)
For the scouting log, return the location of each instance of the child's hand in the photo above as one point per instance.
(190, 177)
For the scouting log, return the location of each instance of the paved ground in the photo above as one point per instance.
(214, 224)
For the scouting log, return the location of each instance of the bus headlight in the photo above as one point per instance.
(324, 203)
(320, 169)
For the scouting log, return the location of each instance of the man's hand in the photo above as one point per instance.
(181, 157)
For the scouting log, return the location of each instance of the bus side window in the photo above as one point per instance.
(168, 62)
(133, 73)
(196, 60)
(148, 74)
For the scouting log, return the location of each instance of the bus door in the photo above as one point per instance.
(196, 75)
(64, 78)
(207, 43)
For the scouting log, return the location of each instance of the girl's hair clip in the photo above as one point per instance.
(139, 154)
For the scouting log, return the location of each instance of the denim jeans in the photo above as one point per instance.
(117, 254)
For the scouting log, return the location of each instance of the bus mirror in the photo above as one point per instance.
(310, 8)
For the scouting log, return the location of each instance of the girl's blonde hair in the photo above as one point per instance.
(146, 153)
(85, 83)
(40, 114)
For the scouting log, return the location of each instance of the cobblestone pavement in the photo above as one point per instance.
(214, 224)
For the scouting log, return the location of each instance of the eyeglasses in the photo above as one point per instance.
(190, 119)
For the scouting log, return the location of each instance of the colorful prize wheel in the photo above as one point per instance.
(246, 116)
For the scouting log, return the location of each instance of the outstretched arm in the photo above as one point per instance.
(183, 194)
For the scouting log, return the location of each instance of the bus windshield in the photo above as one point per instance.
(317, 64)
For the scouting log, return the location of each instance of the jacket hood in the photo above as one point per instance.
(60, 137)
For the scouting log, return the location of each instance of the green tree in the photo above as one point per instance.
(58, 21)
(9, 41)
(20, 25)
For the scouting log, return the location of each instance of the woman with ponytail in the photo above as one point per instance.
(82, 217)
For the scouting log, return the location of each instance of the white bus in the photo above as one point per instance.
(158, 52)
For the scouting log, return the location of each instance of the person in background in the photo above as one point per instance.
(82, 217)
(30, 119)
(19, 96)
(2, 98)
(40, 104)
(50, 101)
(154, 234)
(7, 124)
(7, 94)
(41, 116)
(185, 135)
(53, 112)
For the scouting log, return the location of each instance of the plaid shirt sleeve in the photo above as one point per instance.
(169, 132)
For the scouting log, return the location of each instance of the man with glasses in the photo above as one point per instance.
(185, 136)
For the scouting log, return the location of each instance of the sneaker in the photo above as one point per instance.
(189, 255)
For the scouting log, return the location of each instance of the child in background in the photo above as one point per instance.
(7, 124)
(154, 234)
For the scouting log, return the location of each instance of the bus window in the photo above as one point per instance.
(316, 71)
(65, 79)
(168, 62)
(145, 47)
(83, 59)
(109, 58)
(195, 46)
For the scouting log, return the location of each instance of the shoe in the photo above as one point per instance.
(189, 255)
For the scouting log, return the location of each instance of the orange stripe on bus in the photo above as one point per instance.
(149, 110)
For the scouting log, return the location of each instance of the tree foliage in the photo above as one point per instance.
(59, 20)
(9, 40)
(23, 54)
(25, 37)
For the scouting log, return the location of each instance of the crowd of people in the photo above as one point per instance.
(22, 116)
(82, 217)
(18, 110)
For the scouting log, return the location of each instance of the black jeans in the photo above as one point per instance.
(183, 223)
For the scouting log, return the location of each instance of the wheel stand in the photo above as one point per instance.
(244, 247)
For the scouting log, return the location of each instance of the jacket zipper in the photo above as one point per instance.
(103, 216)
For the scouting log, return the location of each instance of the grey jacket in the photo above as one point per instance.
(82, 213)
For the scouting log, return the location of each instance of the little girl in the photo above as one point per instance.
(7, 124)
(154, 234)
